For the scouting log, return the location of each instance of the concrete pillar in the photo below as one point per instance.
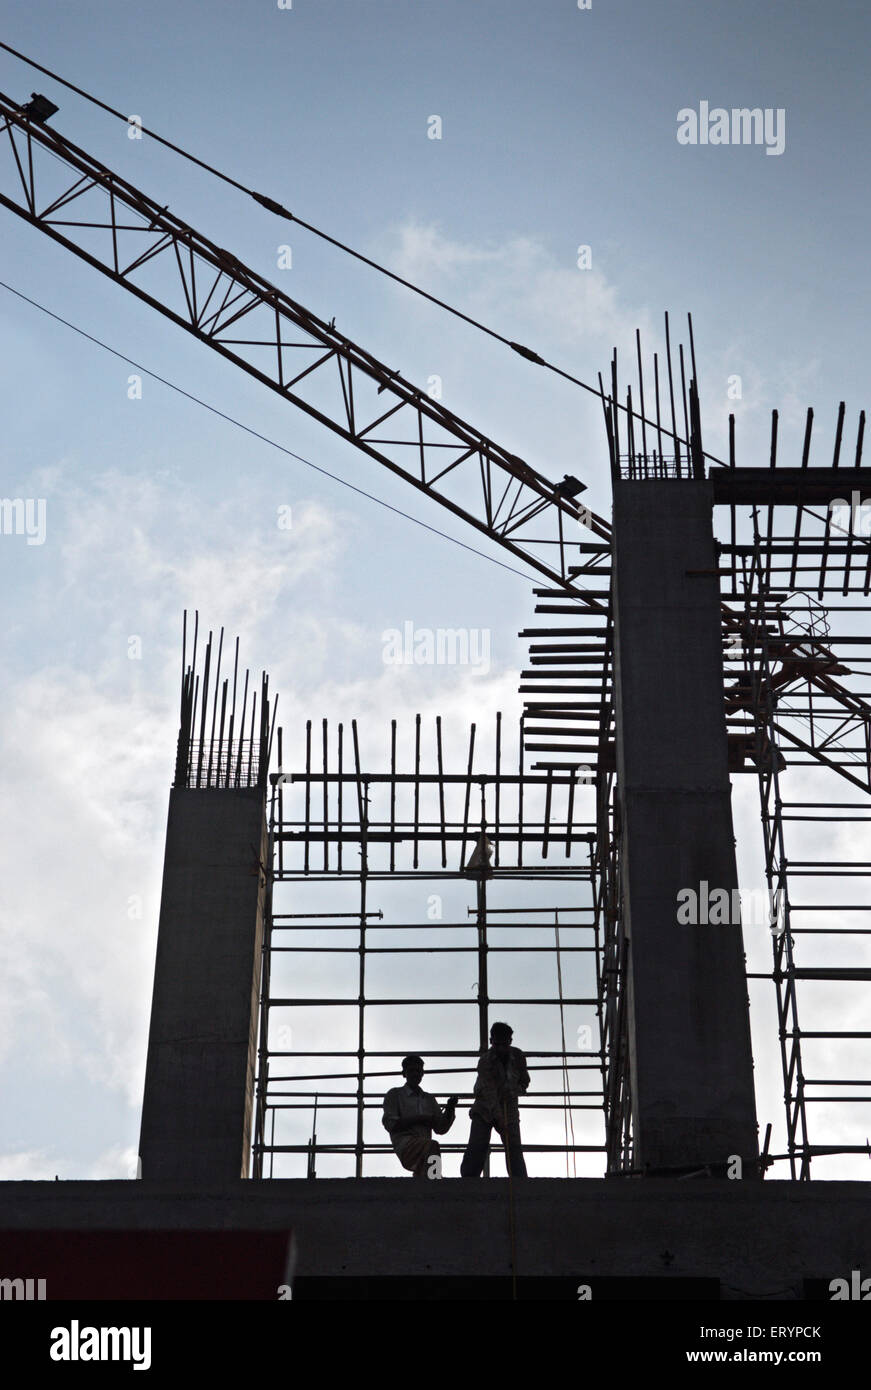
(689, 1027)
(199, 1079)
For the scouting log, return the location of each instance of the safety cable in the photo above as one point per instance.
(280, 211)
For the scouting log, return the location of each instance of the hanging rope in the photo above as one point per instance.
(568, 1114)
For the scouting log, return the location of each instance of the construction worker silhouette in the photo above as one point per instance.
(410, 1116)
(502, 1079)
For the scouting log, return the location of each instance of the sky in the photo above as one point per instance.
(558, 130)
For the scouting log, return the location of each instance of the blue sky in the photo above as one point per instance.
(559, 129)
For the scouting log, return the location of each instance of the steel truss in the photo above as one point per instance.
(205, 289)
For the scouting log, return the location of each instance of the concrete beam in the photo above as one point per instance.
(758, 1239)
(689, 1027)
(788, 486)
(202, 1046)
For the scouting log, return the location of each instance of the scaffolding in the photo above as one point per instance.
(795, 560)
(795, 699)
(402, 882)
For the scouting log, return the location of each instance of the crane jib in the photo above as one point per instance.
(208, 291)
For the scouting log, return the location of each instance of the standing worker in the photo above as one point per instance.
(502, 1078)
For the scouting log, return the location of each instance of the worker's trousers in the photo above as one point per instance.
(475, 1156)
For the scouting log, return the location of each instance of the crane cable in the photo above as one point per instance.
(239, 424)
(280, 211)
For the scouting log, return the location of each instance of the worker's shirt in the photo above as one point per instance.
(406, 1102)
(498, 1086)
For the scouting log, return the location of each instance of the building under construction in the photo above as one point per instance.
(572, 869)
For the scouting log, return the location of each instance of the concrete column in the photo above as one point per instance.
(199, 1079)
(689, 1027)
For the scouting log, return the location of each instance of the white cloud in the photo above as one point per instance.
(519, 283)
(32, 1165)
(35, 1165)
